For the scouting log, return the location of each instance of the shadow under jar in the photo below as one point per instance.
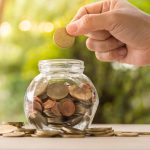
(61, 95)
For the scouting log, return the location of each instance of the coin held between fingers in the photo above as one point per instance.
(63, 39)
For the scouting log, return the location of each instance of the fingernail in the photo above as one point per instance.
(72, 28)
(122, 52)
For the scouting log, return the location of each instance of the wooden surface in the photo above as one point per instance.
(92, 143)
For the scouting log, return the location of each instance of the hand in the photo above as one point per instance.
(115, 26)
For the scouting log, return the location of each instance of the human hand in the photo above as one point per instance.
(116, 31)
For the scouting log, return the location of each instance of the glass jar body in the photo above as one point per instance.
(61, 98)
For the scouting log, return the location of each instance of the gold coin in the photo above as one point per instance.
(100, 133)
(16, 124)
(14, 134)
(102, 129)
(71, 130)
(7, 129)
(104, 135)
(40, 87)
(47, 133)
(63, 39)
(82, 93)
(57, 91)
(73, 135)
(127, 134)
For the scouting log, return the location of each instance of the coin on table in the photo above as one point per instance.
(126, 134)
(14, 134)
(63, 39)
(82, 93)
(98, 129)
(73, 135)
(67, 107)
(47, 133)
(71, 130)
(7, 129)
(103, 135)
(16, 124)
(57, 91)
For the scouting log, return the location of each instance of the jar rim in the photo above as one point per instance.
(53, 65)
(70, 61)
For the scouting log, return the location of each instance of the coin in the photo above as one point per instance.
(143, 133)
(67, 107)
(7, 129)
(63, 39)
(57, 91)
(103, 135)
(82, 93)
(74, 120)
(48, 113)
(98, 129)
(37, 105)
(47, 133)
(16, 124)
(36, 119)
(126, 134)
(49, 104)
(71, 130)
(73, 135)
(14, 134)
(40, 87)
(55, 110)
(99, 133)
(80, 109)
(27, 130)
(55, 120)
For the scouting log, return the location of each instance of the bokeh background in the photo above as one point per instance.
(26, 32)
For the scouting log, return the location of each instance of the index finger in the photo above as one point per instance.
(93, 8)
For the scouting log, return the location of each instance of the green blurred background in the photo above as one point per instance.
(26, 37)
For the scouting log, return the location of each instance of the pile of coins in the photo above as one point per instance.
(17, 129)
(60, 103)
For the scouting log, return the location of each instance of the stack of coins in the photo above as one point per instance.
(60, 103)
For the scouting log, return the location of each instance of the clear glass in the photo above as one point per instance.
(61, 95)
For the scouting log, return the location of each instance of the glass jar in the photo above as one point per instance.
(61, 95)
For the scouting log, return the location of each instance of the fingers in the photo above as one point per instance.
(89, 23)
(99, 35)
(115, 55)
(106, 45)
(94, 8)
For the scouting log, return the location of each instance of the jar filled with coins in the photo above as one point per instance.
(61, 95)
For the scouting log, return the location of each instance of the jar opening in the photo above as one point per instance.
(61, 65)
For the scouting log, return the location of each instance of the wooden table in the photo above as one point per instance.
(89, 143)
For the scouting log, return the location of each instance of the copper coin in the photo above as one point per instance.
(82, 93)
(37, 104)
(67, 107)
(63, 39)
(55, 110)
(57, 91)
(49, 104)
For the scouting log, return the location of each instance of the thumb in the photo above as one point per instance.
(89, 23)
